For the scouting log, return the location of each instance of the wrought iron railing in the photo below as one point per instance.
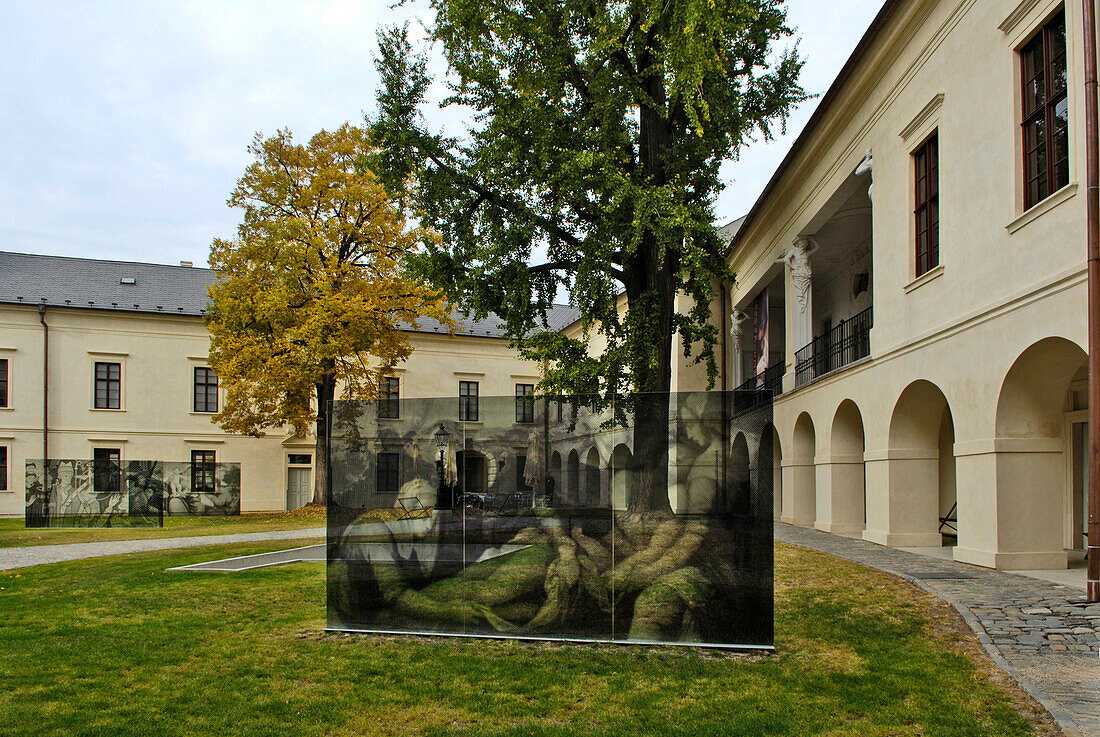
(770, 378)
(845, 344)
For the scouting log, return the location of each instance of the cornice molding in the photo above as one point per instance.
(1013, 19)
(917, 124)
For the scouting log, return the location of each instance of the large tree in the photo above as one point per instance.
(312, 294)
(598, 132)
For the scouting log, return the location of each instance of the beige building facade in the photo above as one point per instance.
(127, 373)
(912, 282)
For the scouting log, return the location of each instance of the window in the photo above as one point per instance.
(300, 459)
(4, 468)
(926, 161)
(108, 385)
(389, 395)
(4, 383)
(206, 390)
(467, 401)
(387, 472)
(525, 407)
(107, 469)
(1045, 112)
(559, 410)
(521, 471)
(202, 471)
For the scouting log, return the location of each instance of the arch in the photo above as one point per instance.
(769, 461)
(920, 471)
(738, 495)
(557, 491)
(1039, 502)
(800, 480)
(573, 477)
(621, 461)
(842, 503)
(592, 492)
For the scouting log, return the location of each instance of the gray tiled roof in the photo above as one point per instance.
(64, 281)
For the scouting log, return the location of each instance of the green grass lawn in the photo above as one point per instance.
(119, 646)
(13, 532)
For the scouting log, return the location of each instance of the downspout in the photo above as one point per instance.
(45, 385)
(726, 397)
(1092, 224)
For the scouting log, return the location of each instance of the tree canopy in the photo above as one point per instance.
(312, 294)
(598, 132)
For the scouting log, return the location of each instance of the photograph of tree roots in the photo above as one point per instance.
(639, 518)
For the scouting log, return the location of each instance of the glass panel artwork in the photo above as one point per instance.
(105, 493)
(642, 518)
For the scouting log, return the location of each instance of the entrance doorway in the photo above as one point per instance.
(1079, 479)
(298, 492)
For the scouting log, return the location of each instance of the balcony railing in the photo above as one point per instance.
(770, 378)
(845, 344)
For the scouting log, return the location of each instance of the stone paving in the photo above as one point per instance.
(1031, 628)
(34, 555)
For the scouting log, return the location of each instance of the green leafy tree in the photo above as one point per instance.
(598, 132)
(313, 293)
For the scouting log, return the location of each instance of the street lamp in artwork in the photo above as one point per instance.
(442, 439)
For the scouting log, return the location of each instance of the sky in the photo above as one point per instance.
(125, 125)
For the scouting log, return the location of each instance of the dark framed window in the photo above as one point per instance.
(1045, 112)
(300, 459)
(560, 407)
(3, 468)
(4, 382)
(206, 390)
(202, 471)
(389, 398)
(107, 469)
(467, 401)
(388, 465)
(108, 385)
(927, 187)
(525, 405)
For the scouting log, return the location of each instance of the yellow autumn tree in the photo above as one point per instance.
(311, 295)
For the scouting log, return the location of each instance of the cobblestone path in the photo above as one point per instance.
(34, 555)
(1031, 628)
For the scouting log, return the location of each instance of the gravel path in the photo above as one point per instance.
(34, 555)
(1032, 629)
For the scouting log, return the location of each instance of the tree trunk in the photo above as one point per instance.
(650, 288)
(326, 390)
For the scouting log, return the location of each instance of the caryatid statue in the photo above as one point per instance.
(867, 167)
(738, 319)
(797, 260)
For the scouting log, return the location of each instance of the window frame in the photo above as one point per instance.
(203, 467)
(389, 398)
(388, 473)
(107, 381)
(1047, 180)
(525, 408)
(468, 397)
(195, 384)
(5, 467)
(5, 383)
(107, 462)
(926, 204)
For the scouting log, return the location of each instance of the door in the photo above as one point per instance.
(297, 489)
(1080, 483)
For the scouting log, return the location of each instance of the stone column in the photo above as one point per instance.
(797, 260)
(737, 329)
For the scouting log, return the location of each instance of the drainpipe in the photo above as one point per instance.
(1092, 200)
(726, 398)
(45, 385)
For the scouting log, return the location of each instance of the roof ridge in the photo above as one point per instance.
(105, 261)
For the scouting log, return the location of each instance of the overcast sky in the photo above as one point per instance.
(124, 125)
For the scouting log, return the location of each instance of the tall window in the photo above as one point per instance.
(206, 390)
(521, 473)
(202, 471)
(108, 385)
(467, 401)
(525, 406)
(926, 161)
(4, 383)
(3, 468)
(389, 396)
(1045, 112)
(387, 472)
(107, 469)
